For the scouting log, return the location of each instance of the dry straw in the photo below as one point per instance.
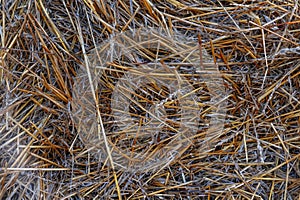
(255, 45)
(148, 93)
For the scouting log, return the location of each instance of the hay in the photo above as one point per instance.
(255, 45)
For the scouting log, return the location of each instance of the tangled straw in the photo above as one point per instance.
(155, 92)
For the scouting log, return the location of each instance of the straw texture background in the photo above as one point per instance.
(255, 45)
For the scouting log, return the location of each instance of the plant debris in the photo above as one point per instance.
(254, 44)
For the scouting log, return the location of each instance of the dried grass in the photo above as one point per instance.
(256, 46)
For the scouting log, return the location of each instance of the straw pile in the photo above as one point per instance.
(254, 45)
